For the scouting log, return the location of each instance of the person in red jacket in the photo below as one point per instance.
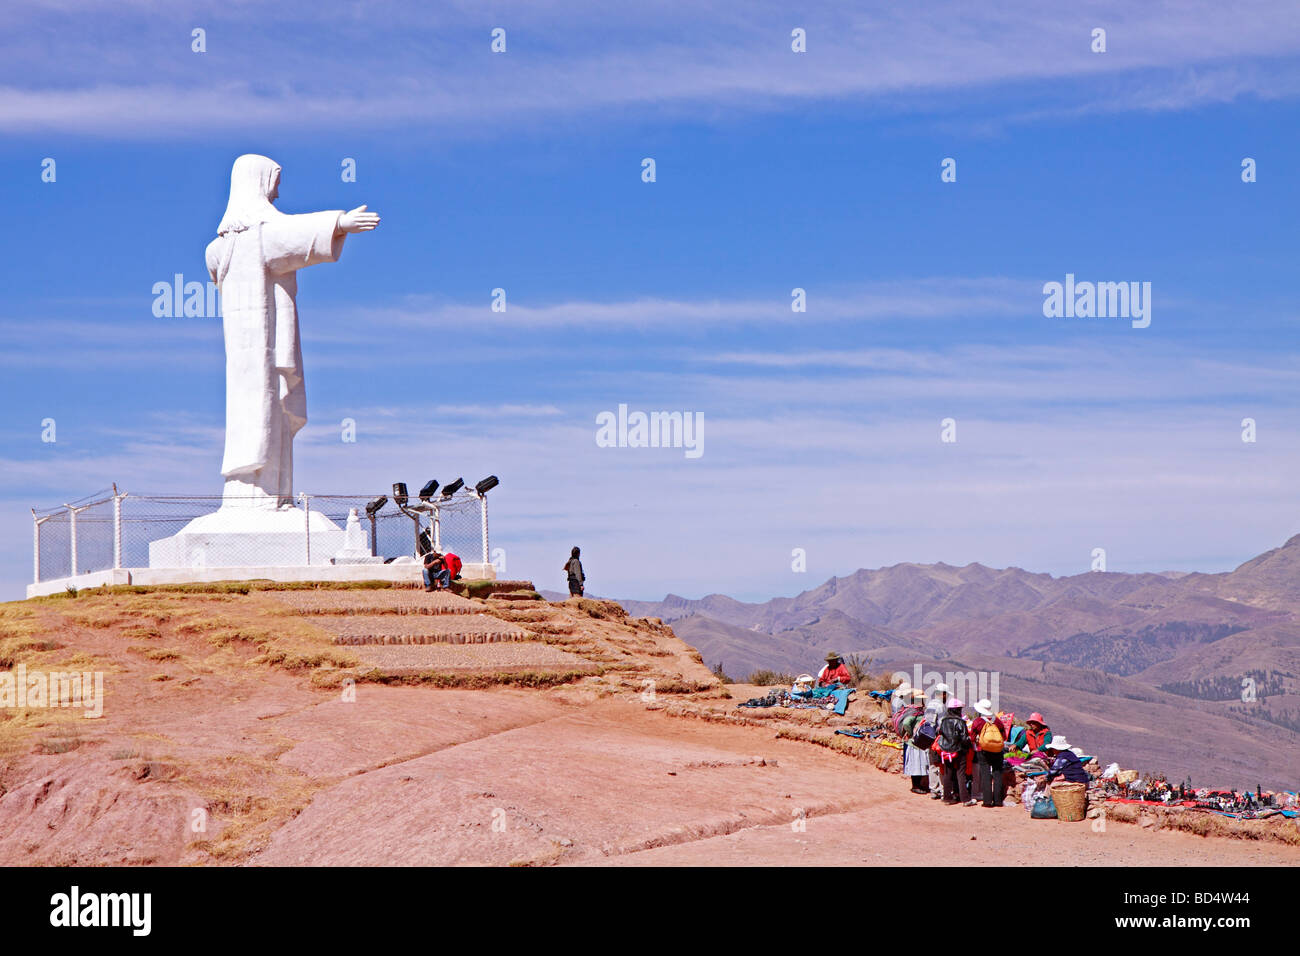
(834, 672)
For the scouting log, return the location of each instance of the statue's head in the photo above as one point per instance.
(254, 185)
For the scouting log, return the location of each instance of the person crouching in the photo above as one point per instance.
(436, 575)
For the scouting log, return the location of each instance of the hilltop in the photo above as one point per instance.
(264, 724)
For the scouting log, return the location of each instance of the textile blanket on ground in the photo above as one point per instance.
(1034, 766)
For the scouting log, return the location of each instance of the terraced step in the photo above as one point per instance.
(501, 658)
(420, 629)
(387, 601)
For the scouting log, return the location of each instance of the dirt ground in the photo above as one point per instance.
(207, 754)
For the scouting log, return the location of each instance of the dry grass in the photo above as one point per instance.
(536, 679)
(249, 798)
(19, 725)
(601, 610)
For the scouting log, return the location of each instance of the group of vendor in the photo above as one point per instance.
(962, 759)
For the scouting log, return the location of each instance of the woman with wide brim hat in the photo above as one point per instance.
(1067, 763)
(1037, 734)
(834, 672)
(990, 785)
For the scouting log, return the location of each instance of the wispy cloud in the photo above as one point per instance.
(391, 65)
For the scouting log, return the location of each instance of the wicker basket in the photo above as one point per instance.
(1071, 801)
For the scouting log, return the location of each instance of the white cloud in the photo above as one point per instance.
(414, 67)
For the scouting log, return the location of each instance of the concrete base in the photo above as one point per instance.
(235, 536)
(406, 573)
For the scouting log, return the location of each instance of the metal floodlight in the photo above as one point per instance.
(375, 504)
(399, 493)
(487, 484)
(427, 491)
(454, 487)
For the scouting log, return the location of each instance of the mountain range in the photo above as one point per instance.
(1190, 674)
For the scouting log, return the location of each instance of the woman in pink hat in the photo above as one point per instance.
(953, 744)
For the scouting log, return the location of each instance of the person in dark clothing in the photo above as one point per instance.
(577, 580)
(1067, 763)
(953, 743)
(436, 574)
(991, 785)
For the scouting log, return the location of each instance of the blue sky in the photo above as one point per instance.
(775, 170)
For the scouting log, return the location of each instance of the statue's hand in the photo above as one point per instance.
(358, 220)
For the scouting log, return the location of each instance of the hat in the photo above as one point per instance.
(984, 707)
(918, 694)
(954, 703)
(903, 688)
(1036, 718)
(832, 656)
(941, 688)
(1058, 743)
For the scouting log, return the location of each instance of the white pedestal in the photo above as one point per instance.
(235, 536)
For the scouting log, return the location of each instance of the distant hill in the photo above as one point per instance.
(1064, 645)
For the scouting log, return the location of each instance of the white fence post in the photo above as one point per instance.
(306, 510)
(483, 503)
(36, 548)
(117, 528)
(72, 537)
(437, 529)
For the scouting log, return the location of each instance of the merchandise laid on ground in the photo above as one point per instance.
(889, 720)
(362, 724)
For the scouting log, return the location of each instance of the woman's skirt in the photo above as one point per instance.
(916, 762)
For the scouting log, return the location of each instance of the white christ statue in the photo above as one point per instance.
(255, 261)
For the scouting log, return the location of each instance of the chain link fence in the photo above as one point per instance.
(118, 530)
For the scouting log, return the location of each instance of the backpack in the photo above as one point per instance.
(991, 739)
(923, 736)
(452, 564)
(953, 735)
(903, 713)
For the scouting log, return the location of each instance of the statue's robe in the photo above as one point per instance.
(266, 403)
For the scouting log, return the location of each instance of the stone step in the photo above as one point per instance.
(420, 629)
(415, 659)
(380, 601)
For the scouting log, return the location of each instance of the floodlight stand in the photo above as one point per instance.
(415, 517)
